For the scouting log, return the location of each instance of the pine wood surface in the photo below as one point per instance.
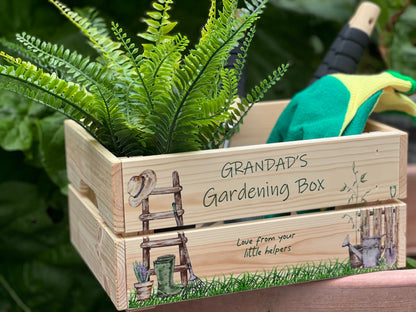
(92, 168)
(218, 250)
(101, 250)
(318, 170)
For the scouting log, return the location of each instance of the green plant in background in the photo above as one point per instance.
(161, 100)
(397, 35)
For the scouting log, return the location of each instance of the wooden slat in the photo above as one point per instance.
(209, 192)
(321, 168)
(102, 251)
(259, 123)
(251, 246)
(93, 169)
(403, 152)
(313, 237)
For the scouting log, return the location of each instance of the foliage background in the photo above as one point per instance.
(39, 269)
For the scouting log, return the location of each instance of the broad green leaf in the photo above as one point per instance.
(52, 148)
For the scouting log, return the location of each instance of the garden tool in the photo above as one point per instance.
(390, 254)
(164, 268)
(348, 47)
(340, 104)
(192, 277)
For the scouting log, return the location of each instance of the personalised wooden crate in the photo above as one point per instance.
(160, 212)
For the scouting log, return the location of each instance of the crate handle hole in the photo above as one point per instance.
(88, 192)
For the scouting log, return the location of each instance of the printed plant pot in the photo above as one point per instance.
(143, 290)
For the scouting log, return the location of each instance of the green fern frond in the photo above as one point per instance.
(206, 30)
(109, 49)
(77, 68)
(154, 101)
(132, 77)
(70, 99)
(92, 15)
(158, 24)
(243, 107)
(200, 67)
(23, 53)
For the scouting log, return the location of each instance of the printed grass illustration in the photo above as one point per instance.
(250, 281)
(354, 189)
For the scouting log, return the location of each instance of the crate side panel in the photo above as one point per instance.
(256, 246)
(270, 178)
(103, 252)
(92, 167)
(259, 123)
(373, 125)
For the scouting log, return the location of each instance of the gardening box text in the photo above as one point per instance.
(214, 196)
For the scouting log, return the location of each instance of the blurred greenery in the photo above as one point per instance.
(39, 269)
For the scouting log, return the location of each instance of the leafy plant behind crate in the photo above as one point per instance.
(160, 100)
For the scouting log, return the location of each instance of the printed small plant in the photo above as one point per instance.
(354, 224)
(354, 189)
(142, 274)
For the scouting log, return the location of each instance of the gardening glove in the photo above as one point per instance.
(340, 104)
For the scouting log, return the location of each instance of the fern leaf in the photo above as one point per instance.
(210, 56)
(159, 25)
(50, 91)
(75, 66)
(253, 96)
(109, 49)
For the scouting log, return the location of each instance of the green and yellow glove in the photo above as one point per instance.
(340, 104)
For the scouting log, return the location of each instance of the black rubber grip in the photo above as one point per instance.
(344, 54)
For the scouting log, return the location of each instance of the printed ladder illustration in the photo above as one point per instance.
(140, 188)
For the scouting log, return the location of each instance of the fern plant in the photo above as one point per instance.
(160, 97)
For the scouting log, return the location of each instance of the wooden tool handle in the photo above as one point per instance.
(365, 17)
(348, 47)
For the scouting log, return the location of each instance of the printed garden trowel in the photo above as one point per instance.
(348, 47)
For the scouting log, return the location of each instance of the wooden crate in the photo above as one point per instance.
(214, 195)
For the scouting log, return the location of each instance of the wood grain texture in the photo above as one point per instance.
(247, 180)
(92, 168)
(267, 179)
(292, 240)
(102, 251)
(251, 246)
(258, 123)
